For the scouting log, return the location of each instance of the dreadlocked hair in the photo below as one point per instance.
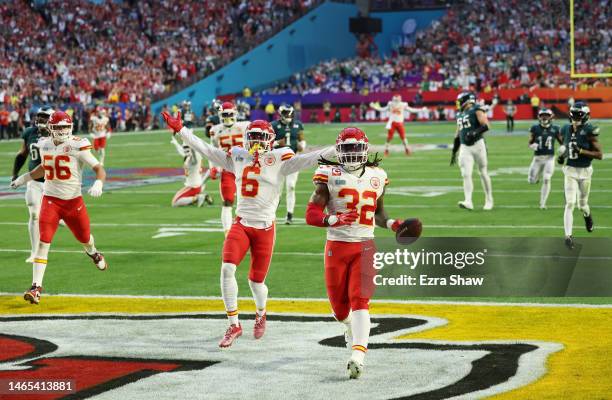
(374, 162)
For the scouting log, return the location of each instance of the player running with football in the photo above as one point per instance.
(259, 171)
(352, 190)
(226, 135)
(100, 131)
(580, 147)
(472, 123)
(192, 192)
(289, 133)
(397, 108)
(34, 188)
(63, 156)
(542, 138)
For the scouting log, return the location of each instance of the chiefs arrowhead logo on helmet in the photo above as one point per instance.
(228, 113)
(60, 126)
(259, 136)
(352, 148)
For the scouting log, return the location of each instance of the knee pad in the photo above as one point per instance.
(228, 271)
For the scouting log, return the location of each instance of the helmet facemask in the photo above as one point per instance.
(228, 117)
(579, 113)
(61, 131)
(286, 115)
(352, 154)
(545, 119)
(259, 141)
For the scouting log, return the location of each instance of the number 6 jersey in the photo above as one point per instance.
(352, 192)
(63, 164)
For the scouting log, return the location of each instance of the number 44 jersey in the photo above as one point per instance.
(349, 191)
(63, 164)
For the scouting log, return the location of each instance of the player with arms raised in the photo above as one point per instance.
(472, 123)
(34, 188)
(289, 133)
(259, 171)
(100, 131)
(352, 190)
(542, 138)
(580, 147)
(397, 108)
(226, 135)
(192, 192)
(63, 157)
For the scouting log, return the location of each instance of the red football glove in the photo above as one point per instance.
(173, 123)
(344, 218)
(396, 224)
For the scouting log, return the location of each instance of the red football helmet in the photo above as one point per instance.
(228, 113)
(352, 148)
(259, 136)
(60, 126)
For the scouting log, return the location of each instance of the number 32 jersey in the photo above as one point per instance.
(352, 192)
(63, 164)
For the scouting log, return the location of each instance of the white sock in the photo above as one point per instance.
(568, 218)
(90, 247)
(226, 218)
(229, 291)
(405, 142)
(40, 263)
(34, 231)
(290, 199)
(586, 210)
(468, 188)
(486, 185)
(360, 325)
(544, 192)
(260, 295)
(386, 146)
(184, 201)
(102, 155)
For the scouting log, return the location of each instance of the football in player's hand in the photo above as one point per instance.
(409, 231)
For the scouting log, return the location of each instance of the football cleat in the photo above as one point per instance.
(408, 151)
(289, 219)
(588, 222)
(200, 199)
(30, 259)
(208, 199)
(569, 242)
(99, 260)
(386, 153)
(488, 206)
(33, 295)
(354, 368)
(260, 325)
(232, 333)
(465, 205)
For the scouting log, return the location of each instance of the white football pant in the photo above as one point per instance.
(542, 166)
(577, 189)
(290, 183)
(467, 156)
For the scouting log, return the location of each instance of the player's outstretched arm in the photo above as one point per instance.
(20, 159)
(306, 160)
(215, 155)
(315, 212)
(456, 145)
(178, 147)
(36, 173)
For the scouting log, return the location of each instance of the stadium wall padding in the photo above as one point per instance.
(321, 34)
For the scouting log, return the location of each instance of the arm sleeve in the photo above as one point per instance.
(321, 175)
(412, 110)
(179, 148)
(88, 158)
(295, 163)
(217, 156)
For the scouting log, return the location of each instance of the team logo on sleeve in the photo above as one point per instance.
(336, 172)
(375, 182)
(269, 160)
(67, 149)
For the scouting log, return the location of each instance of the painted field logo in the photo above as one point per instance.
(130, 356)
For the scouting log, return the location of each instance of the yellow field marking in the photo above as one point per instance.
(580, 371)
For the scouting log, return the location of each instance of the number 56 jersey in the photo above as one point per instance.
(63, 164)
(352, 192)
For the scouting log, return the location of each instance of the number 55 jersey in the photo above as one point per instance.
(349, 191)
(63, 164)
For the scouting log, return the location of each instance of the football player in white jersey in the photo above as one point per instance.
(100, 131)
(260, 171)
(192, 192)
(63, 157)
(352, 190)
(229, 133)
(396, 108)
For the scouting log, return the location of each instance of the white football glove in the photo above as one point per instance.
(301, 145)
(533, 146)
(22, 180)
(562, 150)
(96, 189)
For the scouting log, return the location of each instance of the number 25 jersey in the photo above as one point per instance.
(352, 192)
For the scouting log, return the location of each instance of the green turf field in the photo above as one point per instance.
(423, 185)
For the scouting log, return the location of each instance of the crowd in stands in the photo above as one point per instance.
(480, 44)
(81, 52)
